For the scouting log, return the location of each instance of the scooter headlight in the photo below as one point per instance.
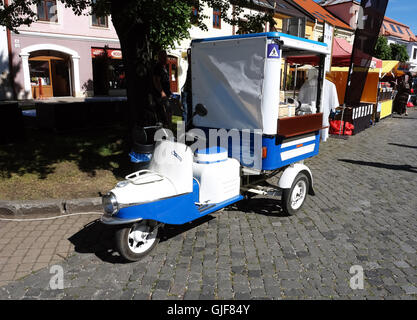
(110, 204)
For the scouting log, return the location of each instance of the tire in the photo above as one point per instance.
(293, 199)
(131, 243)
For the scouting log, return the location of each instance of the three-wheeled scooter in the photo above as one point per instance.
(236, 83)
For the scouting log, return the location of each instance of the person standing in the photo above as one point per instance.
(329, 104)
(162, 89)
(401, 99)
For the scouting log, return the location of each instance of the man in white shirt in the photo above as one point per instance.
(330, 103)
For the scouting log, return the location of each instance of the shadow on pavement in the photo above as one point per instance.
(404, 117)
(404, 167)
(98, 239)
(402, 145)
(171, 231)
(263, 206)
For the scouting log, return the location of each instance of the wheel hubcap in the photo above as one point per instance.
(141, 238)
(298, 195)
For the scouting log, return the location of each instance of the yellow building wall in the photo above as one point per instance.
(310, 30)
(310, 27)
(279, 17)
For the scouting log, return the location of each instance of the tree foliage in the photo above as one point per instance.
(144, 27)
(392, 51)
(165, 21)
(382, 49)
(399, 52)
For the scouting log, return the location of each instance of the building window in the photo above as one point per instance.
(241, 30)
(39, 73)
(99, 21)
(217, 20)
(400, 30)
(47, 11)
(108, 70)
(393, 28)
(415, 54)
(194, 14)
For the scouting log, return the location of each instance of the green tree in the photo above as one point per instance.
(399, 52)
(143, 27)
(382, 49)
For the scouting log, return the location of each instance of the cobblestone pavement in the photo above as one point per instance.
(364, 213)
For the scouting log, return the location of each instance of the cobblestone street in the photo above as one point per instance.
(364, 214)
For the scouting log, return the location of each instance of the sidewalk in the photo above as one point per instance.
(363, 214)
(26, 247)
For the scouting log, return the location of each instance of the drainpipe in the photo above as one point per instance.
(9, 48)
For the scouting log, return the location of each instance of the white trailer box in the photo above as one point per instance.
(238, 80)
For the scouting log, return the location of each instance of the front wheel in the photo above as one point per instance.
(293, 199)
(138, 240)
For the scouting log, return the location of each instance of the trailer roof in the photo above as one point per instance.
(269, 35)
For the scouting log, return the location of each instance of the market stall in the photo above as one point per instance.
(386, 91)
(360, 116)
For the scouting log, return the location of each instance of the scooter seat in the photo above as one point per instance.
(144, 176)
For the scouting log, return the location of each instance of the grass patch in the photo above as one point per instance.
(68, 165)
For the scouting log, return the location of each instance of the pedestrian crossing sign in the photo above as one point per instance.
(273, 51)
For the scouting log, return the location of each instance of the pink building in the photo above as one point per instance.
(345, 10)
(63, 54)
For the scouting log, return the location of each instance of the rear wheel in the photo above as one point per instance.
(293, 199)
(138, 240)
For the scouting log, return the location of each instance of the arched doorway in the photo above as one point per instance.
(58, 65)
(50, 74)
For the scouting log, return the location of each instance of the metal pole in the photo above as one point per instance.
(295, 78)
(285, 76)
(342, 122)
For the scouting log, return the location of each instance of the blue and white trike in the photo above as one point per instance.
(237, 92)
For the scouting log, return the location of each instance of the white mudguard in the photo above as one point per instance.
(289, 175)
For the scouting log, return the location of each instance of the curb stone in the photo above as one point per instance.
(83, 205)
(49, 207)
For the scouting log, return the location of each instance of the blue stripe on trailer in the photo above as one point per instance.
(274, 145)
(269, 35)
(275, 152)
(294, 147)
